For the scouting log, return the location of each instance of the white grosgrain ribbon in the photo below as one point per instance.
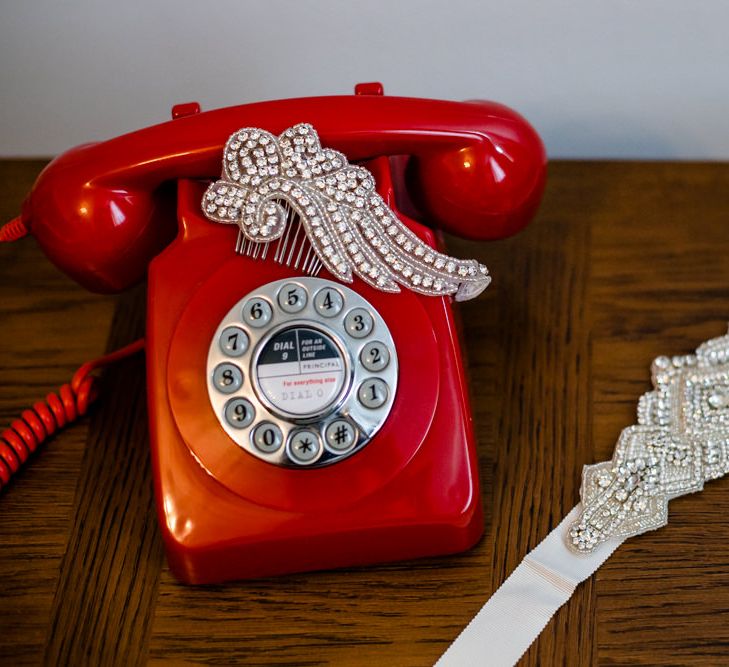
(681, 441)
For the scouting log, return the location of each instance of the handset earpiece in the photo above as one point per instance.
(102, 236)
(487, 189)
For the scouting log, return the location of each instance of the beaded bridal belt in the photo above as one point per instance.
(681, 441)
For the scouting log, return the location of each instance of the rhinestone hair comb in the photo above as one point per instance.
(681, 441)
(270, 182)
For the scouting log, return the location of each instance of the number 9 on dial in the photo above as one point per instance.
(239, 412)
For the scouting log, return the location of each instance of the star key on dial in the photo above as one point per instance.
(304, 447)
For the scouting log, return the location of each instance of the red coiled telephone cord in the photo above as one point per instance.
(38, 423)
(71, 401)
(13, 230)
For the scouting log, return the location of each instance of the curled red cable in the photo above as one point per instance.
(13, 230)
(37, 424)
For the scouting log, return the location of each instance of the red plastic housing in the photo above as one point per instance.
(105, 213)
(413, 491)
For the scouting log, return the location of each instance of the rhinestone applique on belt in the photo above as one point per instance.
(680, 442)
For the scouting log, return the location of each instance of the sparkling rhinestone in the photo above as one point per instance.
(718, 401)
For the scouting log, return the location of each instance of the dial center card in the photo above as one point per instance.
(301, 371)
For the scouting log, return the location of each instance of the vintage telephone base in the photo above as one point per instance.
(413, 491)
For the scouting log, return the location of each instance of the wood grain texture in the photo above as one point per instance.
(626, 261)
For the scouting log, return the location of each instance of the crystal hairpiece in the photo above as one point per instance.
(681, 441)
(351, 229)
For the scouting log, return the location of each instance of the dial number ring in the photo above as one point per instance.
(301, 372)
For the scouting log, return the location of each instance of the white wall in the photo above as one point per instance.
(608, 78)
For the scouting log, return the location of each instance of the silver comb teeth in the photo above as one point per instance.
(294, 252)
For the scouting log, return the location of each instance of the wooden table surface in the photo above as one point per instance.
(626, 261)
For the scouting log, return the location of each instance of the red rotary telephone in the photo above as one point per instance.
(307, 401)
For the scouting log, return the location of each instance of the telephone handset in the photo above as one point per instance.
(307, 400)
